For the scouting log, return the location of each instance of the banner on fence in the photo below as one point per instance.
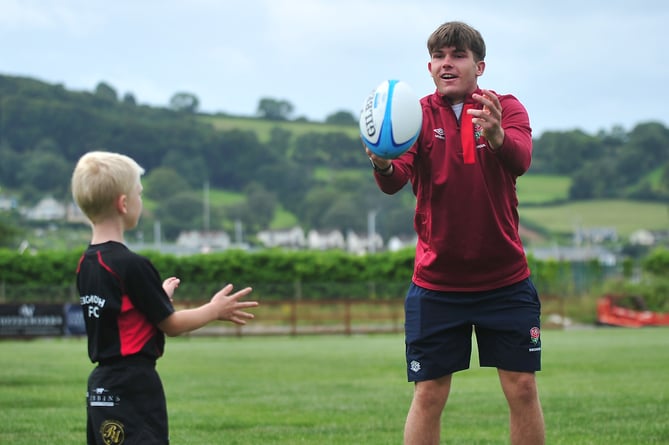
(74, 320)
(41, 320)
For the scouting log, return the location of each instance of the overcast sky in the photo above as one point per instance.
(574, 64)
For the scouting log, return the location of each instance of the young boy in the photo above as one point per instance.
(127, 309)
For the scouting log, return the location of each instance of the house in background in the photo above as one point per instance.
(322, 240)
(595, 235)
(288, 238)
(7, 203)
(48, 209)
(396, 243)
(361, 244)
(204, 242)
(74, 214)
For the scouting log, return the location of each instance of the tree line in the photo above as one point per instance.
(44, 128)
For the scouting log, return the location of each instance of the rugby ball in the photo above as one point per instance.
(390, 119)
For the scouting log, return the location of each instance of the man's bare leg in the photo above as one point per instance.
(526, 419)
(423, 423)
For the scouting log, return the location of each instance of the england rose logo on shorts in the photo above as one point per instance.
(535, 333)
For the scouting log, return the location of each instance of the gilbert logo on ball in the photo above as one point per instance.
(391, 119)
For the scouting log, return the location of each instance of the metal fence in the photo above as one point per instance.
(24, 310)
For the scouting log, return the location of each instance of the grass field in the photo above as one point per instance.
(599, 386)
(541, 189)
(624, 216)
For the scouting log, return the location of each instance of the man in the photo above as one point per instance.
(470, 270)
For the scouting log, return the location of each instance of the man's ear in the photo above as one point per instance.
(480, 67)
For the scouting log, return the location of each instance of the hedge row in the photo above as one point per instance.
(234, 265)
(275, 274)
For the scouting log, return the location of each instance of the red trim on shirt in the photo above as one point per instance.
(133, 327)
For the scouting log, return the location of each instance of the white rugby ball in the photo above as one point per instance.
(391, 119)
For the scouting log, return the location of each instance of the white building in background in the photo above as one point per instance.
(574, 254)
(203, 241)
(396, 243)
(642, 237)
(289, 238)
(48, 209)
(332, 239)
(596, 235)
(360, 244)
(7, 203)
(74, 214)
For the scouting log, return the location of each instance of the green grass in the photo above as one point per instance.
(283, 219)
(598, 386)
(624, 216)
(224, 198)
(540, 189)
(340, 175)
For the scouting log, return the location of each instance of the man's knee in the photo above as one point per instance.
(520, 387)
(432, 394)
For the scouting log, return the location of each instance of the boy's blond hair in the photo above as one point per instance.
(99, 178)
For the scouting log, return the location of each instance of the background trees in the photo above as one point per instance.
(106, 92)
(317, 173)
(274, 109)
(341, 118)
(184, 102)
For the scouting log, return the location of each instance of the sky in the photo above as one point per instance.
(587, 65)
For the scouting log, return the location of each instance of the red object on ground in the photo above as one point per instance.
(611, 312)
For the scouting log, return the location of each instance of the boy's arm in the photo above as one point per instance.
(222, 306)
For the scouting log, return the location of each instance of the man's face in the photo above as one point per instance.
(455, 72)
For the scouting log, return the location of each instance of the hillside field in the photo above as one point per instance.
(542, 189)
(543, 205)
(624, 216)
(543, 198)
(263, 127)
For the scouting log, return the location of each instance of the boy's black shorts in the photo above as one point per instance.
(125, 404)
(438, 327)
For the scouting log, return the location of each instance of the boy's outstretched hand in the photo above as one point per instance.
(228, 307)
(170, 285)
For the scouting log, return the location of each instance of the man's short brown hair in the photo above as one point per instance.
(459, 35)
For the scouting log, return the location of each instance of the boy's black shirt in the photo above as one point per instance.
(123, 300)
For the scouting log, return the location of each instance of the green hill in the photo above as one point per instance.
(263, 127)
(542, 189)
(622, 215)
(308, 173)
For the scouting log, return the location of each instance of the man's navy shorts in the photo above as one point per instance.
(438, 327)
(126, 404)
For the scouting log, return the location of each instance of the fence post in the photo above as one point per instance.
(371, 286)
(347, 316)
(293, 317)
(297, 284)
(293, 309)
